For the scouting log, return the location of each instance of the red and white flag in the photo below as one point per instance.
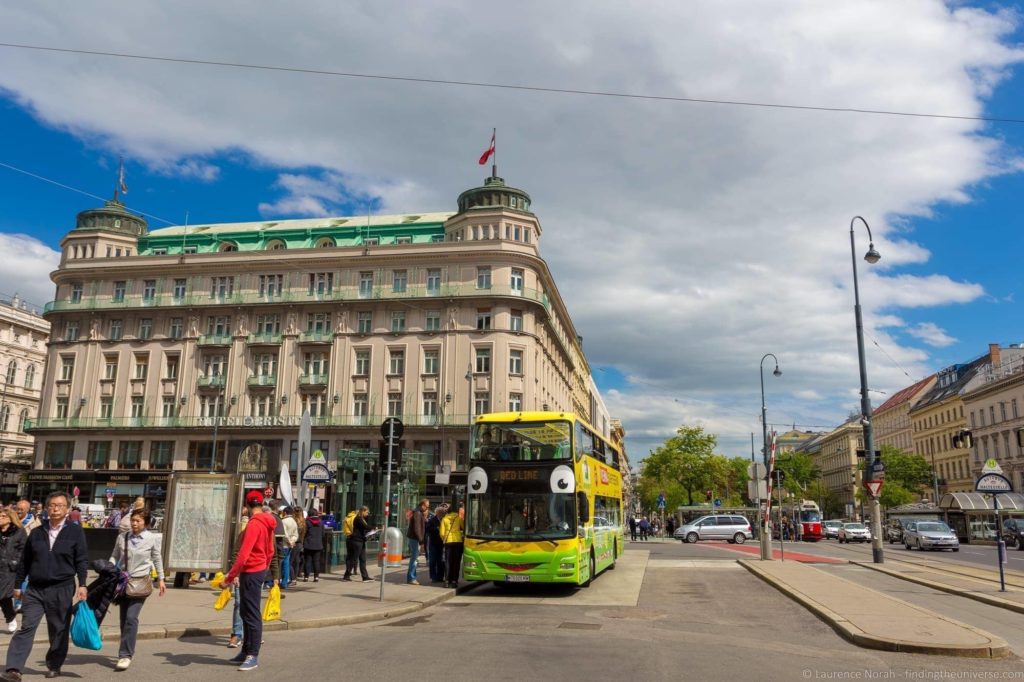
(490, 150)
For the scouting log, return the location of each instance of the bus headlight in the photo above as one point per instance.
(566, 566)
(471, 563)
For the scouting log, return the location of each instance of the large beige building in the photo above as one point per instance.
(995, 415)
(837, 461)
(23, 334)
(891, 420)
(162, 337)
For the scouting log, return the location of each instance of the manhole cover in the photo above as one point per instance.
(579, 626)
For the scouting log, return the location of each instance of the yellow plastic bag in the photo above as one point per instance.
(223, 599)
(272, 611)
(217, 579)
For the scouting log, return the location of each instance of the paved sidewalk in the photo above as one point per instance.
(873, 620)
(189, 612)
(971, 582)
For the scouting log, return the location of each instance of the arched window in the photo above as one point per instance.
(30, 376)
(325, 243)
(5, 416)
(22, 418)
(12, 369)
(228, 246)
(276, 245)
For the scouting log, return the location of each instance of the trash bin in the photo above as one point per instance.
(394, 539)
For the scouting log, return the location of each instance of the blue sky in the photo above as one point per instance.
(687, 239)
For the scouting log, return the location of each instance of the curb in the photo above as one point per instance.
(182, 631)
(942, 587)
(997, 648)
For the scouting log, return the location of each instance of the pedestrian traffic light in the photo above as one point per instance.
(963, 439)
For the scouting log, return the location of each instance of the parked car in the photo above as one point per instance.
(1013, 533)
(931, 535)
(854, 532)
(735, 529)
(831, 528)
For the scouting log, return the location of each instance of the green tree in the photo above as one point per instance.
(687, 460)
(894, 494)
(827, 500)
(800, 469)
(907, 469)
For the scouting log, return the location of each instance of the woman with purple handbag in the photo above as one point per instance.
(138, 552)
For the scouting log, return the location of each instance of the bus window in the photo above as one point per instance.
(520, 441)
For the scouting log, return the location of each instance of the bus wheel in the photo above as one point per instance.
(593, 569)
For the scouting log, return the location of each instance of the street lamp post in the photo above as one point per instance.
(871, 256)
(469, 410)
(766, 538)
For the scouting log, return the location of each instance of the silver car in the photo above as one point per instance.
(854, 532)
(735, 529)
(931, 535)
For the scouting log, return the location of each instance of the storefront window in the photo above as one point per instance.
(129, 455)
(200, 455)
(161, 454)
(98, 456)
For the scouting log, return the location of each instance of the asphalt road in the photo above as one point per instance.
(694, 615)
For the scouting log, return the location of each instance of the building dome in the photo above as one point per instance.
(112, 217)
(494, 194)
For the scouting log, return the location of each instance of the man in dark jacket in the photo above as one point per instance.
(357, 546)
(435, 546)
(55, 555)
(417, 535)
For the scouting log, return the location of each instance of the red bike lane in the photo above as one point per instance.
(755, 551)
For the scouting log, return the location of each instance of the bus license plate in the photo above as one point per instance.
(517, 578)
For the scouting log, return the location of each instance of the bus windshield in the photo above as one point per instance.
(521, 441)
(518, 504)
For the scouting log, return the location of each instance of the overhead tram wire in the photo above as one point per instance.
(507, 86)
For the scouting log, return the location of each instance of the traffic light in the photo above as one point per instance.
(707, 495)
(396, 456)
(963, 439)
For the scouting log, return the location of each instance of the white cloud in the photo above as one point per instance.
(27, 266)
(687, 239)
(931, 334)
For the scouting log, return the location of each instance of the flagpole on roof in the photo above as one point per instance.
(494, 161)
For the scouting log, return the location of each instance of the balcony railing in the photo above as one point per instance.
(313, 379)
(316, 337)
(215, 340)
(277, 421)
(265, 339)
(263, 380)
(214, 381)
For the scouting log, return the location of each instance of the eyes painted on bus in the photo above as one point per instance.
(477, 481)
(562, 480)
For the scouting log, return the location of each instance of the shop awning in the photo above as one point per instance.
(981, 502)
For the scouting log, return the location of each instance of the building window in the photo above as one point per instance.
(12, 372)
(5, 418)
(145, 327)
(161, 454)
(433, 321)
(22, 419)
(213, 366)
(200, 455)
(106, 408)
(517, 280)
(62, 408)
(219, 325)
(515, 362)
(516, 321)
(1002, 411)
(268, 324)
(30, 379)
(71, 330)
(263, 406)
(321, 283)
(992, 413)
(98, 455)
(396, 362)
(481, 402)
(138, 407)
(116, 330)
(58, 454)
(141, 367)
(119, 288)
(176, 328)
(403, 240)
(271, 285)
(1013, 408)
(171, 368)
(67, 367)
(972, 419)
(433, 282)
(167, 407)
(430, 407)
(483, 318)
(179, 289)
(319, 323)
(315, 403)
(515, 402)
(483, 361)
(148, 290)
(365, 322)
(189, 250)
(365, 284)
(222, 287)
(398, 320)
(362, 368)
(76, 292)
(315, 363)
(483, 277)
(394, 404)
(431, 362)
(359, 407)
(399, 280)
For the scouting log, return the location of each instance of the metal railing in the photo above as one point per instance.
(265, 338)
(262, 380)
(213, 381)
(215, 340)
(313, 379)
(316, 337)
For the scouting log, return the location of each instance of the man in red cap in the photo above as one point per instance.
(250, 567)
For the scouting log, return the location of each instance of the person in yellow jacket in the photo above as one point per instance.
(451, 536)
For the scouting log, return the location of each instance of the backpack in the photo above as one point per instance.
(349, 525)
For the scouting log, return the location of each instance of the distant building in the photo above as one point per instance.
(891, 419)
(995, 417)
(837, 459)
(791, 440)
(23, 335)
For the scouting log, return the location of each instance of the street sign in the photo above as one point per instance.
(316, 473)
(756, 471)
(718, 502)
(757, 489)
(392, 427)
(75, 491)
(661, 501)
(874, 487)
(991, 467)
(111, 492)
(878, 470)
(396, 457)
(993, 483)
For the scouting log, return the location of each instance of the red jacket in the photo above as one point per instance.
(257, 549)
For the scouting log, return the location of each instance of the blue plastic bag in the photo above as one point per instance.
(85, 631)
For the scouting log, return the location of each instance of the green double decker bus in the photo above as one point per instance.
(543, 500)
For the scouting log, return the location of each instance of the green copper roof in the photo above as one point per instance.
(306, 233)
